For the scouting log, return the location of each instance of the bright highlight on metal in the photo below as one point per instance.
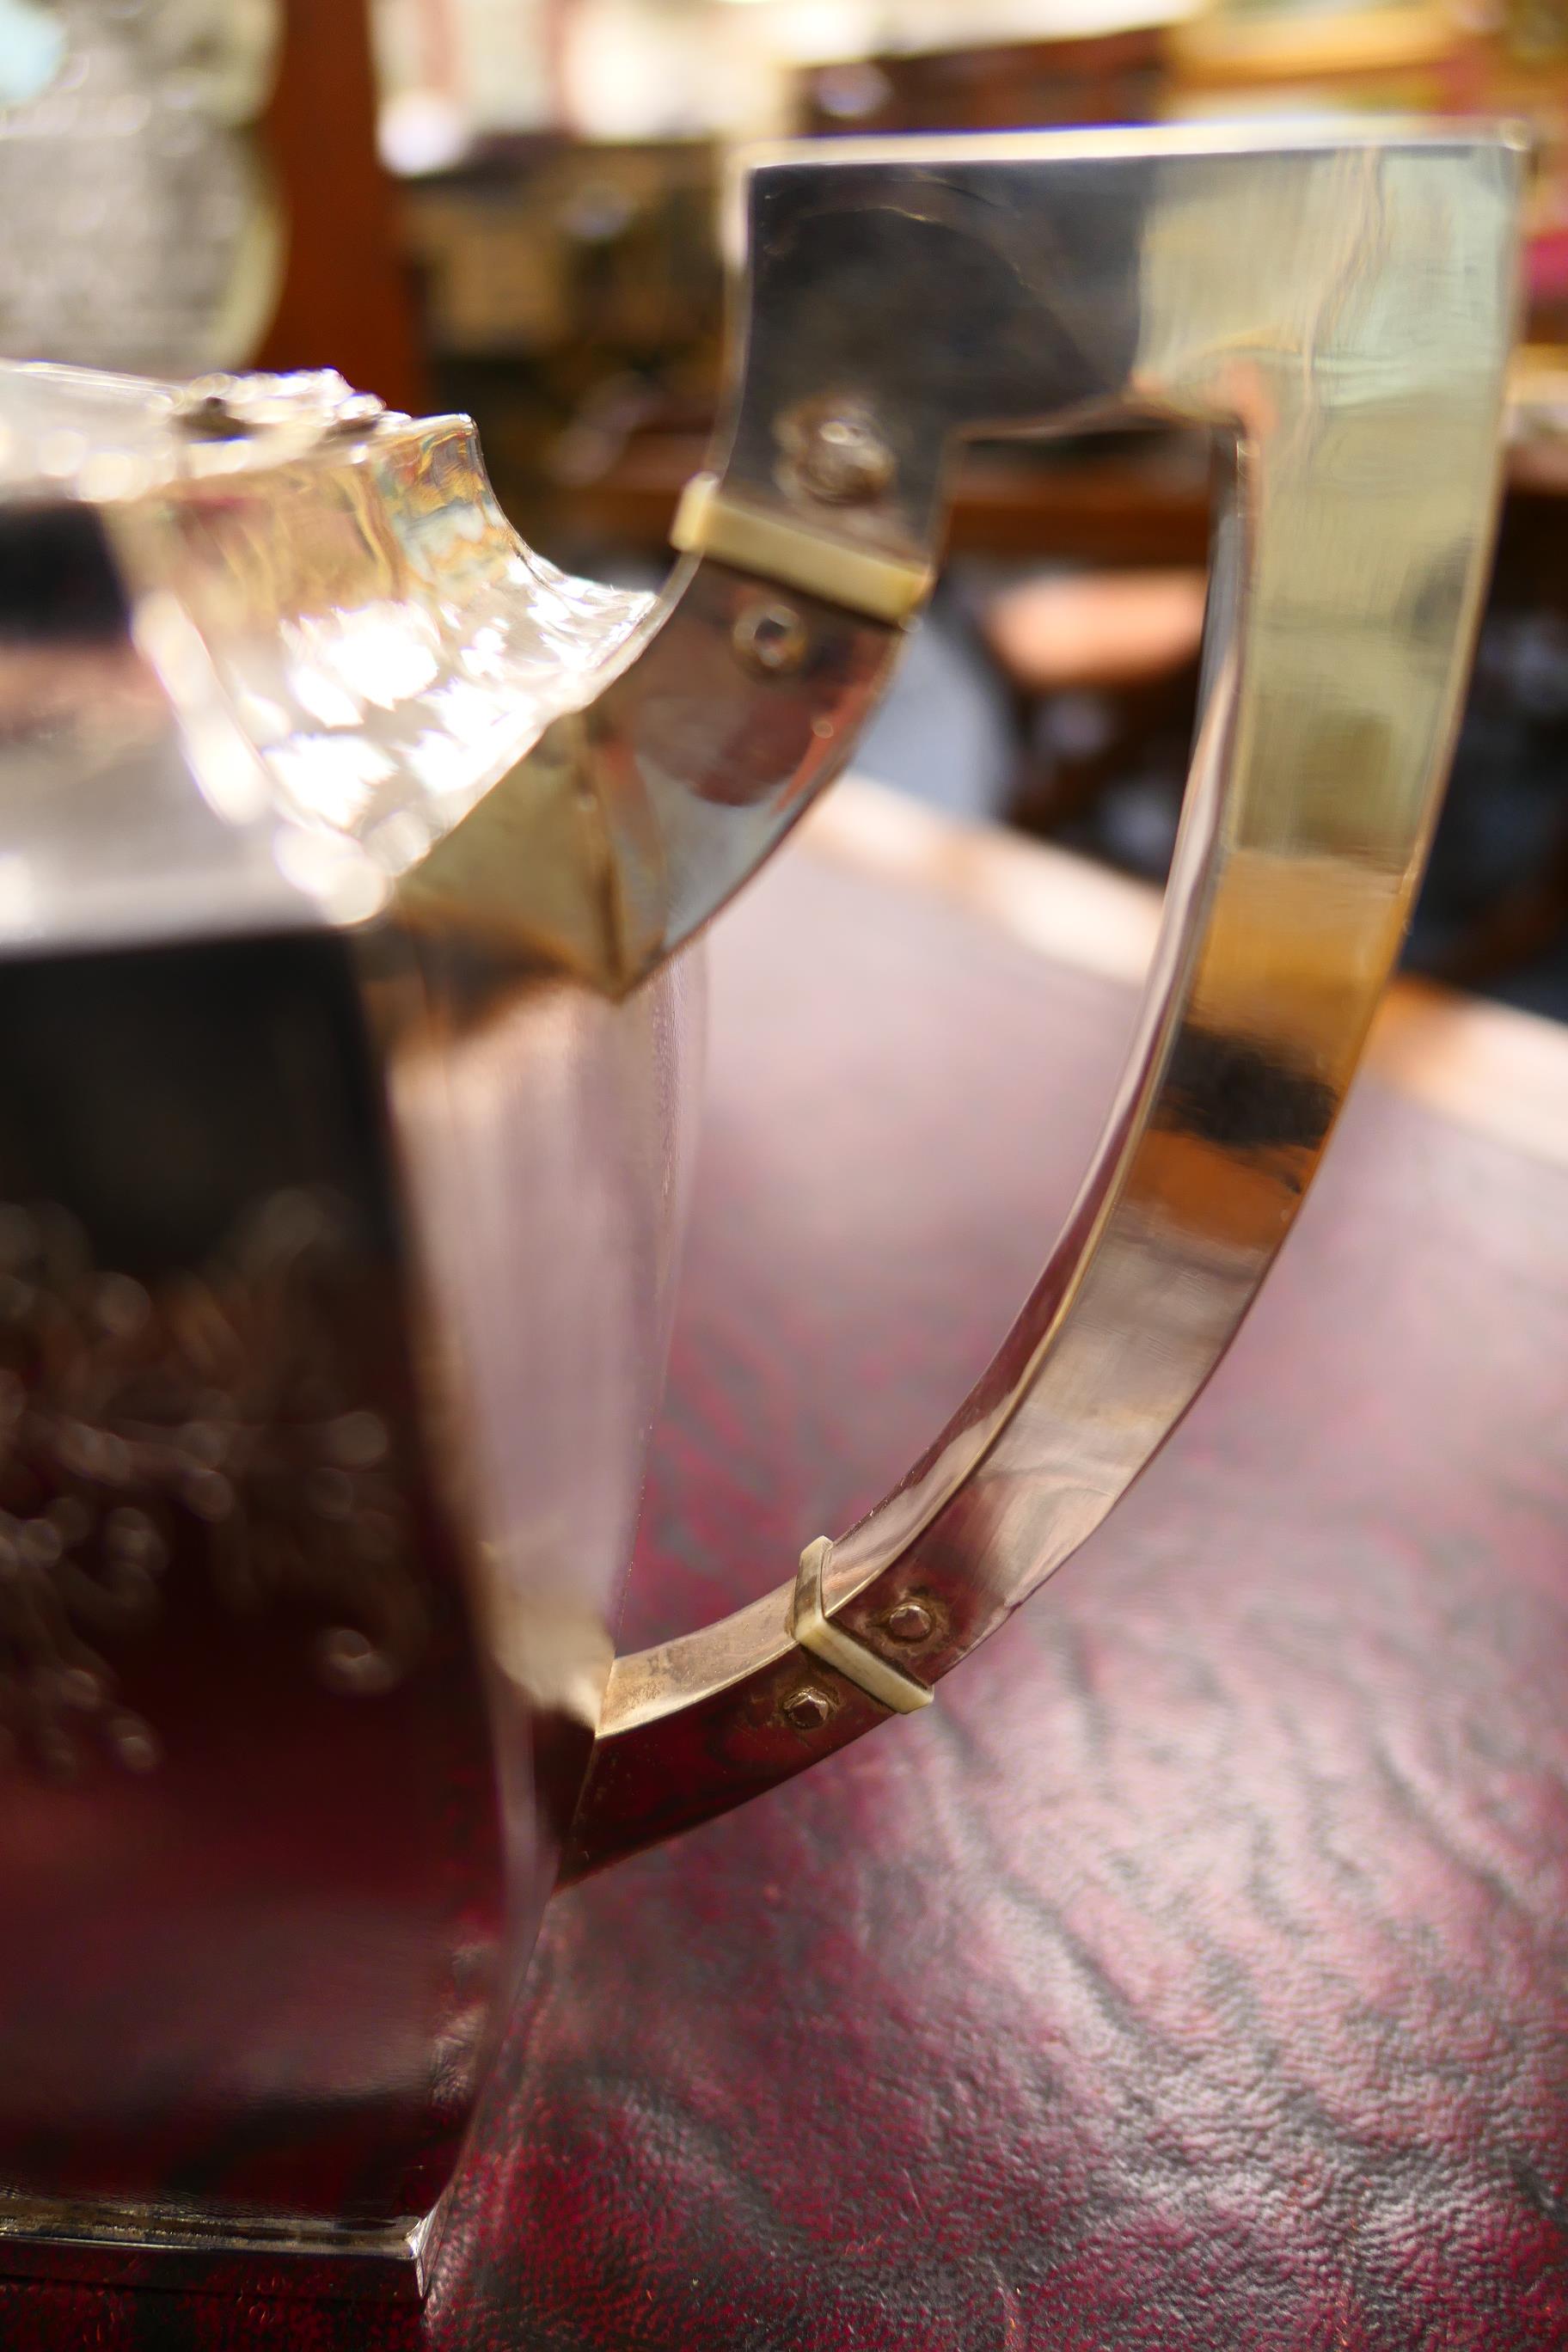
(776, 547)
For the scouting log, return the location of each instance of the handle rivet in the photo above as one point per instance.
(909, 1621)
(808, 1709)
(835, 454)
(770, 640)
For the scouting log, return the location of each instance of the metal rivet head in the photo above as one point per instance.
(201, 390)
(909, 1621)
(204, 409)
(807, 1709)
(835, 453)
(358, 410)
(770, 640)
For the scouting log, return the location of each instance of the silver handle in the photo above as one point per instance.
(1340, 308)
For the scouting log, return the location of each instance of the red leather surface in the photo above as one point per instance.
(1194, 1973)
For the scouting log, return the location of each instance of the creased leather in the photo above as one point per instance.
(1196, 1972)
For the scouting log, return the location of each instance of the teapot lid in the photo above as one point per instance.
(263, 643)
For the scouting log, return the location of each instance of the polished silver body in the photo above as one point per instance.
(278, 1822)
(350, 859)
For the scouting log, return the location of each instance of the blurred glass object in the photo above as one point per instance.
(32, 50)
(140, 234)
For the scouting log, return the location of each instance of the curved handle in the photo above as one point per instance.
(1342, 310)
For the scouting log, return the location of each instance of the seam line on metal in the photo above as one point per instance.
(812, 1627)
(881, 587)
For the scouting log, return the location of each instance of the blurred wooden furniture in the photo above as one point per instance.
(1133, 501)
(1116, 76)
(347, 296)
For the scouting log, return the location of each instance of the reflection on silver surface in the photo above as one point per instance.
(320, 621)
(414, 827)
(216, 1401)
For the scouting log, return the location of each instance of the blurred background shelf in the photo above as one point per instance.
(1132, 509)
(1128, 509)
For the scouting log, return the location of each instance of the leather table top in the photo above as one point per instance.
(1195, 1971)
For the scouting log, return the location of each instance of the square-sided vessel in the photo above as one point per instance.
(348, 860)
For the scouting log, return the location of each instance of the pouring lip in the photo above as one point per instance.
(263, 646)
(98, 437)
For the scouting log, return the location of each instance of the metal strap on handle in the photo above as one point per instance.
(783, 550)
(1340, 308)
(816, 1631)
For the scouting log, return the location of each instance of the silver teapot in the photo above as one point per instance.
(352, 865)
